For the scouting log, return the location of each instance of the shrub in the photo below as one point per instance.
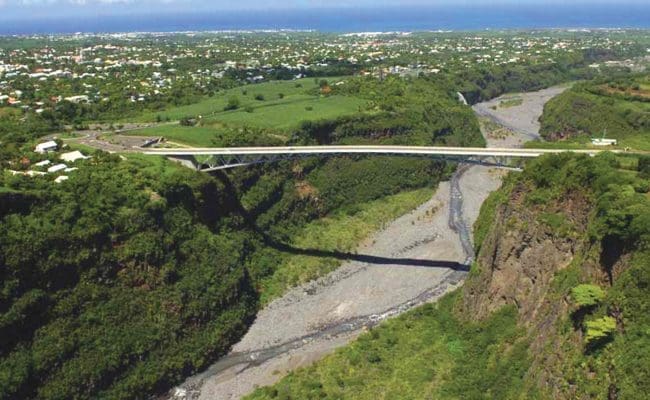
(259, 97)
(587, 295)
(233, 104)
(599, 329)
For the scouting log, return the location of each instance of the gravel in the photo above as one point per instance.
(522, 119)
(420, 258)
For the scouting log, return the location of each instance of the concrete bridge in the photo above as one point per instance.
(217, 158)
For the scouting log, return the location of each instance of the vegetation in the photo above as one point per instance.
(235, 98)
(110, 281)
(428, 352)
(587, 295)
(511, 102)
(598, 108)
(598, 329)
(135, 273)
(414, 111)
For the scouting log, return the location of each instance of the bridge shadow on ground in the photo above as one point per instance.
(339, 255)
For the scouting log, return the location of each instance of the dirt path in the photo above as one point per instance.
(313, 320)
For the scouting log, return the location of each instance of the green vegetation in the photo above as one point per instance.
(489, 208)
(135, 273)
(443, 351)
(153, 271)
(290, 113)
(235, 98)
(593, 109)
(109, 282)
(399, 111)
(511, 103)
(426, 353)
(599, 329)
(587, 295)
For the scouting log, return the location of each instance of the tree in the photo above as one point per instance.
(587, 295)
(599, 329)
(233, 103)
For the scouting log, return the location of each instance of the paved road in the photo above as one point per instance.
(388, 150)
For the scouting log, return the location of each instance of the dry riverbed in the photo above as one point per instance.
(416, 259)
(522, 118)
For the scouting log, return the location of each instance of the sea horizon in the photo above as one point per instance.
(347, 20)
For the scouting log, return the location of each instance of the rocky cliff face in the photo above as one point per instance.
(522, 253)
(519, 260)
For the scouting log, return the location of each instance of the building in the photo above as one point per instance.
(56, 168)
(604, 142)
(46, 147)
(44, 163)
(72, 156)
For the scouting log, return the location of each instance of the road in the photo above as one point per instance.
(352, 149)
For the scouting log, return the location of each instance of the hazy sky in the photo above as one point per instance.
(10, 9)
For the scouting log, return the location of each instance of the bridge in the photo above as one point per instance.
(217, 158)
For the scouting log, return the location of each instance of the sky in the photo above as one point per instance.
(25, 9)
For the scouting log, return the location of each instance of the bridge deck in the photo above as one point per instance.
(389, 150)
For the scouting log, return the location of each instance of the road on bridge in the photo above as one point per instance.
(388, 150)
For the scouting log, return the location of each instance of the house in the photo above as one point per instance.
(26, 173)
(46, 147)
(43, 163)
(604, 142)
(78, 99)
(56, 168)
(61, 179)
(72, 156)
(34, 173)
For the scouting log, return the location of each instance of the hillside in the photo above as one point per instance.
(555, 307)
(619, 108)
(136, 273)
(419, 111)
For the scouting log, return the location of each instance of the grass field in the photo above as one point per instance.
(271, 91)
(289, 114)
(278, 106)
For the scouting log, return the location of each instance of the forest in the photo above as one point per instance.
(136, 273)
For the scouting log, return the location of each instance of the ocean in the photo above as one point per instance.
(350, 19)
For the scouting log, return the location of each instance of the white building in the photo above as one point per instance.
(72, 156)
(56, 168)
(43, 163)
(604, 142)
(46, 147)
